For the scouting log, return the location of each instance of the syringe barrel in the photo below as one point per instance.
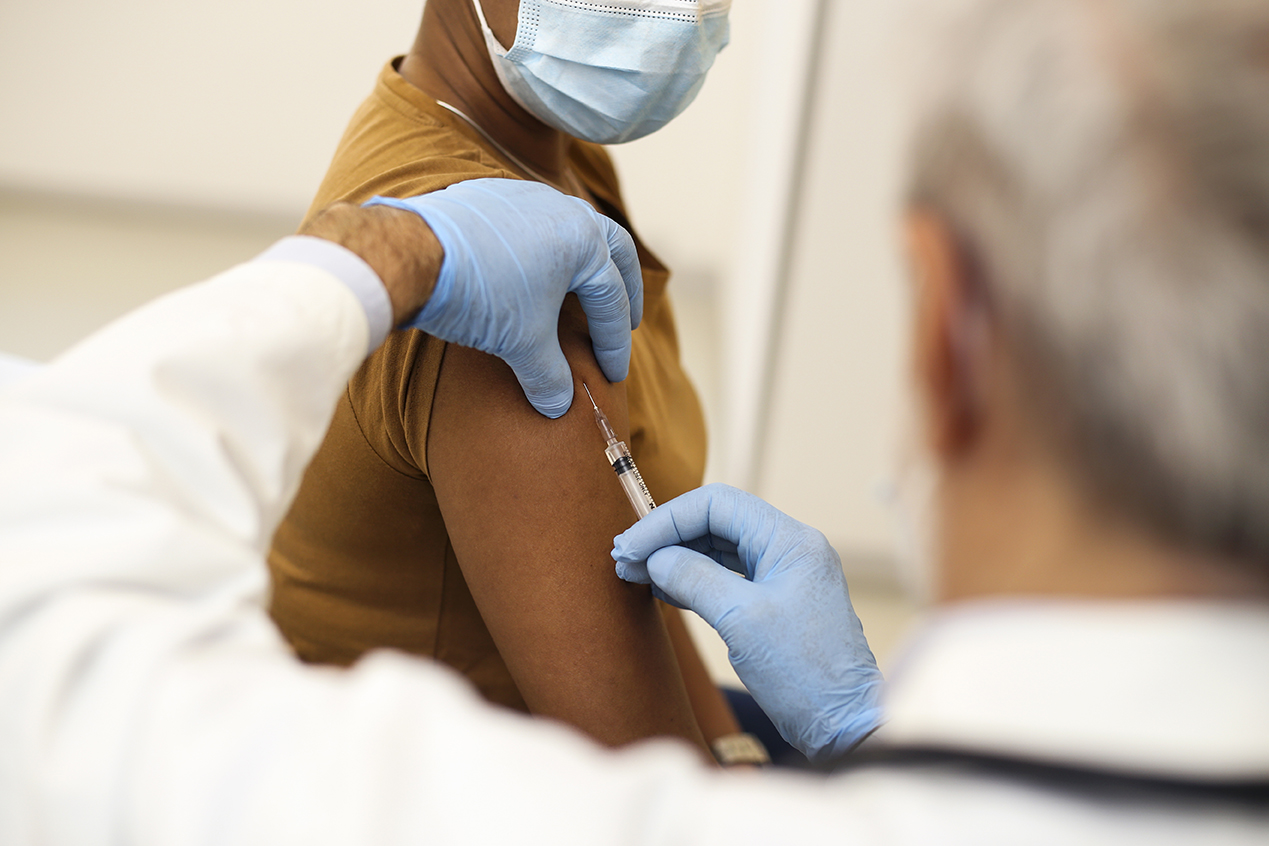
(631, 480)
(637, 492)
(616, 452)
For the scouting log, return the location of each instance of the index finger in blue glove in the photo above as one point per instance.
(662, 527)
(637, 573)
(715, 549)
(733, 519)
(694, 581)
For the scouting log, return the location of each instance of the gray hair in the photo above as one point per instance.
(1106, 165)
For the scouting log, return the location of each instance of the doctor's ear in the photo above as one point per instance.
(951, 338)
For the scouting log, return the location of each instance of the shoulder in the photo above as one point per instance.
(401, 143)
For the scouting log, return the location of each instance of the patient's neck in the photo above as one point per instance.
(450, 62)
(1015, 524)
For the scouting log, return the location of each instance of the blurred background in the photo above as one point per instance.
(150, 144)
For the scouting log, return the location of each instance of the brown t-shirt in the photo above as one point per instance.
(363, 559)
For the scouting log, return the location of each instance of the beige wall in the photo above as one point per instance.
(239, 104)
(236, 106)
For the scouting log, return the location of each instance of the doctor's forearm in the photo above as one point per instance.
(400, 248)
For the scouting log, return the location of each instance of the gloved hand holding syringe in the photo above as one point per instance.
(622, 462)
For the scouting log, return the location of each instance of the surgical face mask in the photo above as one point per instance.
(609, 71)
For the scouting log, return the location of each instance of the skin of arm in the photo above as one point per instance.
(531, 506)
(708, 703)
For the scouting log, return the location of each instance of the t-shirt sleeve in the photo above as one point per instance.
(390, 150)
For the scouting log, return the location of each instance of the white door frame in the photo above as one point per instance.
(754, 303)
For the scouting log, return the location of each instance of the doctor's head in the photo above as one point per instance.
(607, 71)
(1089, 228)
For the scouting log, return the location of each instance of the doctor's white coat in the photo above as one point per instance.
(146, 699)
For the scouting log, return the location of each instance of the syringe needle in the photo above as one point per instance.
(601, 419)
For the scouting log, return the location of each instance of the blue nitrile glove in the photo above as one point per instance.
(513, 250)
(791, 632)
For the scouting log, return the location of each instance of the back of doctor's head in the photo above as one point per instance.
(1105, 164)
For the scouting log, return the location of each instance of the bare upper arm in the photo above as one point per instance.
(531, 507)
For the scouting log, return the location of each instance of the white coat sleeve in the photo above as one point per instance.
(145, 697)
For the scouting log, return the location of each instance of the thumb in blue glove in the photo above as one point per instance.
(774, 590)
(513, 251)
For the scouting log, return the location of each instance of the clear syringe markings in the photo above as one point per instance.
(627, 473)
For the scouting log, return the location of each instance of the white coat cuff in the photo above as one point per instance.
(347, 267)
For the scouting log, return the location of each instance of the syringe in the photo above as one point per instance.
(628, 474)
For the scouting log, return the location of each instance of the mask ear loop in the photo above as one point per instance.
(501, 56)
(496, 46)
(490, 38)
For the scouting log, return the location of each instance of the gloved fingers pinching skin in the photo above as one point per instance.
(637, 572)
(513, 250)
(719, 550)
(791, 632)
(694, 581)
(730, 519)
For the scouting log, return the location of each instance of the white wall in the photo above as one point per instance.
(834, 426)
